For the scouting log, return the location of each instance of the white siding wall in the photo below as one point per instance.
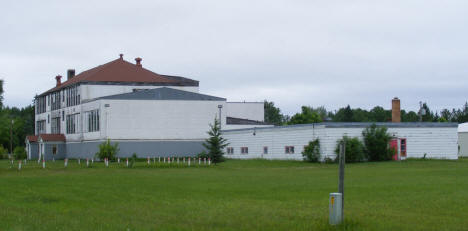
(436, 142)
(95, 91)
(246, 110)
(158, 119)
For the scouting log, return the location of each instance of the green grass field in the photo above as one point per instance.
(235, 195)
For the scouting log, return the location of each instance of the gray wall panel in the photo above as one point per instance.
(141, 148)
(463, 144)
(34, 151)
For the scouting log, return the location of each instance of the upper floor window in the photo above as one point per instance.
(289, 149)
(73, 96)
(55, 104)
(55, 126)
(40, 105)
(72, 123)
(91, 120)
(40, 127)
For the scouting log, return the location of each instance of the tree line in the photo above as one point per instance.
(309, 114)
(18, 122)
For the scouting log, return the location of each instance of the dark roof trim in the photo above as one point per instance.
(163, 93)
(361, 125)
(240, 121)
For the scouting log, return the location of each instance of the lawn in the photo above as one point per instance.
(235, 195)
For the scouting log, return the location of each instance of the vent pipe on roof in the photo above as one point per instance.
(70, 73)
(59, 80)
(396, 112)
(138, 61)
(121, 56)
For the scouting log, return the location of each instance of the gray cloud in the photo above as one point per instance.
(294, 53)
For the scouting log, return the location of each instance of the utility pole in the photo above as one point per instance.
(11, 137)
(342, 169)
(220, 107)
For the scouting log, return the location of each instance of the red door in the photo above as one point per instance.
(394, 146)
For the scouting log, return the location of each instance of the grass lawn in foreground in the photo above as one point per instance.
(235, 195)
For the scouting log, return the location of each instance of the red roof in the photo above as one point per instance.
(31, 138)
(52, 137)
(120, 70)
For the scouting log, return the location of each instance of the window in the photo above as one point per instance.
(55, 126)
(72, 123)
(40, 127)
(73, 96)
(63, 115)
(230, 150)
(40, 105)
(48, 119)
(91, 121)
(289, 149)
(403, 147)
(265, 150)
(55, 101)
(244, 150)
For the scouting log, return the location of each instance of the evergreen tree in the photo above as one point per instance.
(215, 143)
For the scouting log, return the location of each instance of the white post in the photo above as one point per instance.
(43, 163)
(92, 160)
(66, 162)
(25, 161)
(19, 165)
(204, 161)
(189, 161)
(118, 160)
(169, 160)
(107, 162)
(79, 161)
(199, 160)
(148, 160)
(127, 162)
(209, 161)
(87, 162)
(164, 160)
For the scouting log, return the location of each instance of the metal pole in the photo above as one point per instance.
(11, 138)
(342, 169)
(219, 107)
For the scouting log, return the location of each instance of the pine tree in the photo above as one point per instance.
(215, 143)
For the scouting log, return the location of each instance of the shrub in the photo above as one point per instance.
(133, 160)
(3, 153)
(311, 151)
(107, 150)
(354, 150)
(203, 155)
(376, 141)
(19, 153)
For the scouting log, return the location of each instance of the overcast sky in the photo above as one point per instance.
(293, 53)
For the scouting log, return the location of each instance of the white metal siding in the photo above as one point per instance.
(436, 142)
(246, 110)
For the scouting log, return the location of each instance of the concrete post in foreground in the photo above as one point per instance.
(335, 203)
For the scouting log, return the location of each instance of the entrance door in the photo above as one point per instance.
(394, 146)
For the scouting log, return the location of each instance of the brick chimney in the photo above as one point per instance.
(138, 61)
(396, 113)
(59, 80)
(70, 73)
